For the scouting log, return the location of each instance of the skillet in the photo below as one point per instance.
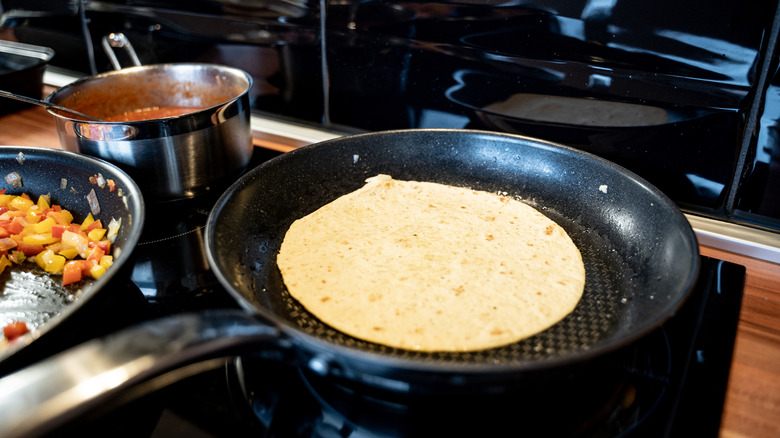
(640, 254)
(28, 294)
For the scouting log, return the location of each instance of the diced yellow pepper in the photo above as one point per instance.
(40, 259)
(19, 203)
(4, 263)
(5, 199)
(43, 203)
(96, 234)
(69, 253)
(87, 221)
(45, 225)
(97, 271)
(106, 261)
(56, 265)
(33, 215)
(39, 239)
(60, 217)
(68, 216)
(50, 262)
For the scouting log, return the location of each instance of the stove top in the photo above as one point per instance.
(670, 383)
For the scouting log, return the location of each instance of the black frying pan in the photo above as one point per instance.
(27, 293)
(640, 253)
(21, 71)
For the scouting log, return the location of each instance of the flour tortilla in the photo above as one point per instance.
(578, 111)
(430, 267)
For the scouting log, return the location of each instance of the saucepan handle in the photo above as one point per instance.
(38, 399)
(119, 41)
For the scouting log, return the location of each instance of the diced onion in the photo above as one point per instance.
(63, 183)
(14, 179)
(113, 229)
(20, 158)
(94, 205)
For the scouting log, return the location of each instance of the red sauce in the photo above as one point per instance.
(151, 113)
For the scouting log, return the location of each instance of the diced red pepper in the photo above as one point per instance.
(104, 244)
(56, 231)
(52, 237)
(95, 253)
(16, 226)
(29, 250)
(72, 271)
(93, 225)
(14, 330)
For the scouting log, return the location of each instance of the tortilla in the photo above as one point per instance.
(579, 111)
(430, 267)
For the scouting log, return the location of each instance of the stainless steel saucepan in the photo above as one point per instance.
(173, 157)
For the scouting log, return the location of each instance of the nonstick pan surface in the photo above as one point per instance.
(26, 292)
(640, 253)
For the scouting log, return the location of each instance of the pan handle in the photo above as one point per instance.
(120, 41)
(124, 365)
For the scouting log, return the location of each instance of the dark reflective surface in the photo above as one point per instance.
(759, 197)
(385, 65)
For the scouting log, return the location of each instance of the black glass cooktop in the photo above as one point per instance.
(670, 383)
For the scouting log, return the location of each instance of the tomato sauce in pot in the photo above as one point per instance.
(152, 113)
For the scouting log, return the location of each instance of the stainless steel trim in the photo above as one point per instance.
(290, 130)
(737, 239)
(56, 78)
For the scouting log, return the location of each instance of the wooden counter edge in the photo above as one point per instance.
(752, 405)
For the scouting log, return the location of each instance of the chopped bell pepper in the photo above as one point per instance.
(47, 234)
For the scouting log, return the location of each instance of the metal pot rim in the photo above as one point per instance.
(69, 89)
